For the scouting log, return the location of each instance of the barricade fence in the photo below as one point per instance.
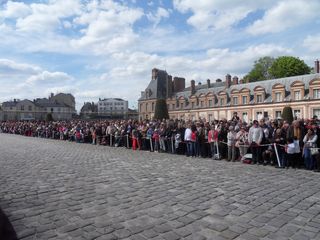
(165, 144)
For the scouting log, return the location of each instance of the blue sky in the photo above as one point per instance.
(107, 48)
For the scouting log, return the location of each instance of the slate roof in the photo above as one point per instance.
(215, 88)
(44, 102)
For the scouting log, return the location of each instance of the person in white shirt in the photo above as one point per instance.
(255, 137)
(187, 139)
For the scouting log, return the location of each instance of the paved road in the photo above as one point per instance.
(60, 190)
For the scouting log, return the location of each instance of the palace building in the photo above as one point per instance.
(219, 99)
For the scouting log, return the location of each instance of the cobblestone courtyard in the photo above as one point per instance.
(60, 190)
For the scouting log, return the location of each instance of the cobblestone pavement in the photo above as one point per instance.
(60, 190)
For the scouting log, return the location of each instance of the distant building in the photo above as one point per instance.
(218, 100)
(113, 108)
(133, 114)
(60, 108)
(89, 110)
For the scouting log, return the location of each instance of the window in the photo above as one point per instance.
(244, 99)
(259, 115)
(297, 113)
(221, 101)
(59, 109)
(235, 100)
(173, 106)
(30, 108)
(153, 107)
(111, 108)
(181, 105)
(297, 95)
(100, 104)
(168, 106)
(141, 107)
(316, 93)
(146, 107)
(121, 108)
(51, 109)
(210, 118)
(192, 105)
(22, 107)
(278, 114)
(259, 98)
(245, 117)
(210, 103)
(316, 112)
(278, 97)
(201, 104)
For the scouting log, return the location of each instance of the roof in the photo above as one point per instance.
(9, 104)
(44, 102)
(110, 99)
(215, 88)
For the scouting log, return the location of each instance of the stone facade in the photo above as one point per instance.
(113, 108)
(38, 108)
(218, 100)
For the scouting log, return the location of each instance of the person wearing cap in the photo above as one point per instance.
(255, 137)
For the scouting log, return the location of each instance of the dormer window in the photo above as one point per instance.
(259, 98)
(297, 95)
(244, 99)
(235, 100)
(316, 93)
(278, 97)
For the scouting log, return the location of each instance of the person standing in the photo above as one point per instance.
(231, 136)
(255, 137)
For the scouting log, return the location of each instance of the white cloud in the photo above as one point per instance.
(15, 10)
(47, 17)
(218, 14)
(312, 43)
(46, 77)
(158, 16)
(105, 23)
(11, 67)
(284, 15)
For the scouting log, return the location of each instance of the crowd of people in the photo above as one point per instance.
(268, 142)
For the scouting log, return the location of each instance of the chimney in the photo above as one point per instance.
(317, 66)
(228, 80)
(208, 83)
(154, 73)
(193, 87)
(235, 80)
(179, 84)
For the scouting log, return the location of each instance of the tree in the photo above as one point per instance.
(287, 114)
(161, 110)
(287, 66)
(260, 70)
(49, 117)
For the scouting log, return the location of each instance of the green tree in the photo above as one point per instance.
(49, 117)
(260, 70)
(161, 110)
(287, 66)
(287, 114)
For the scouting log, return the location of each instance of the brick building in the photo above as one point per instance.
(219, 99)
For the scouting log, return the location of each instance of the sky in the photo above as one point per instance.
(107, 48)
